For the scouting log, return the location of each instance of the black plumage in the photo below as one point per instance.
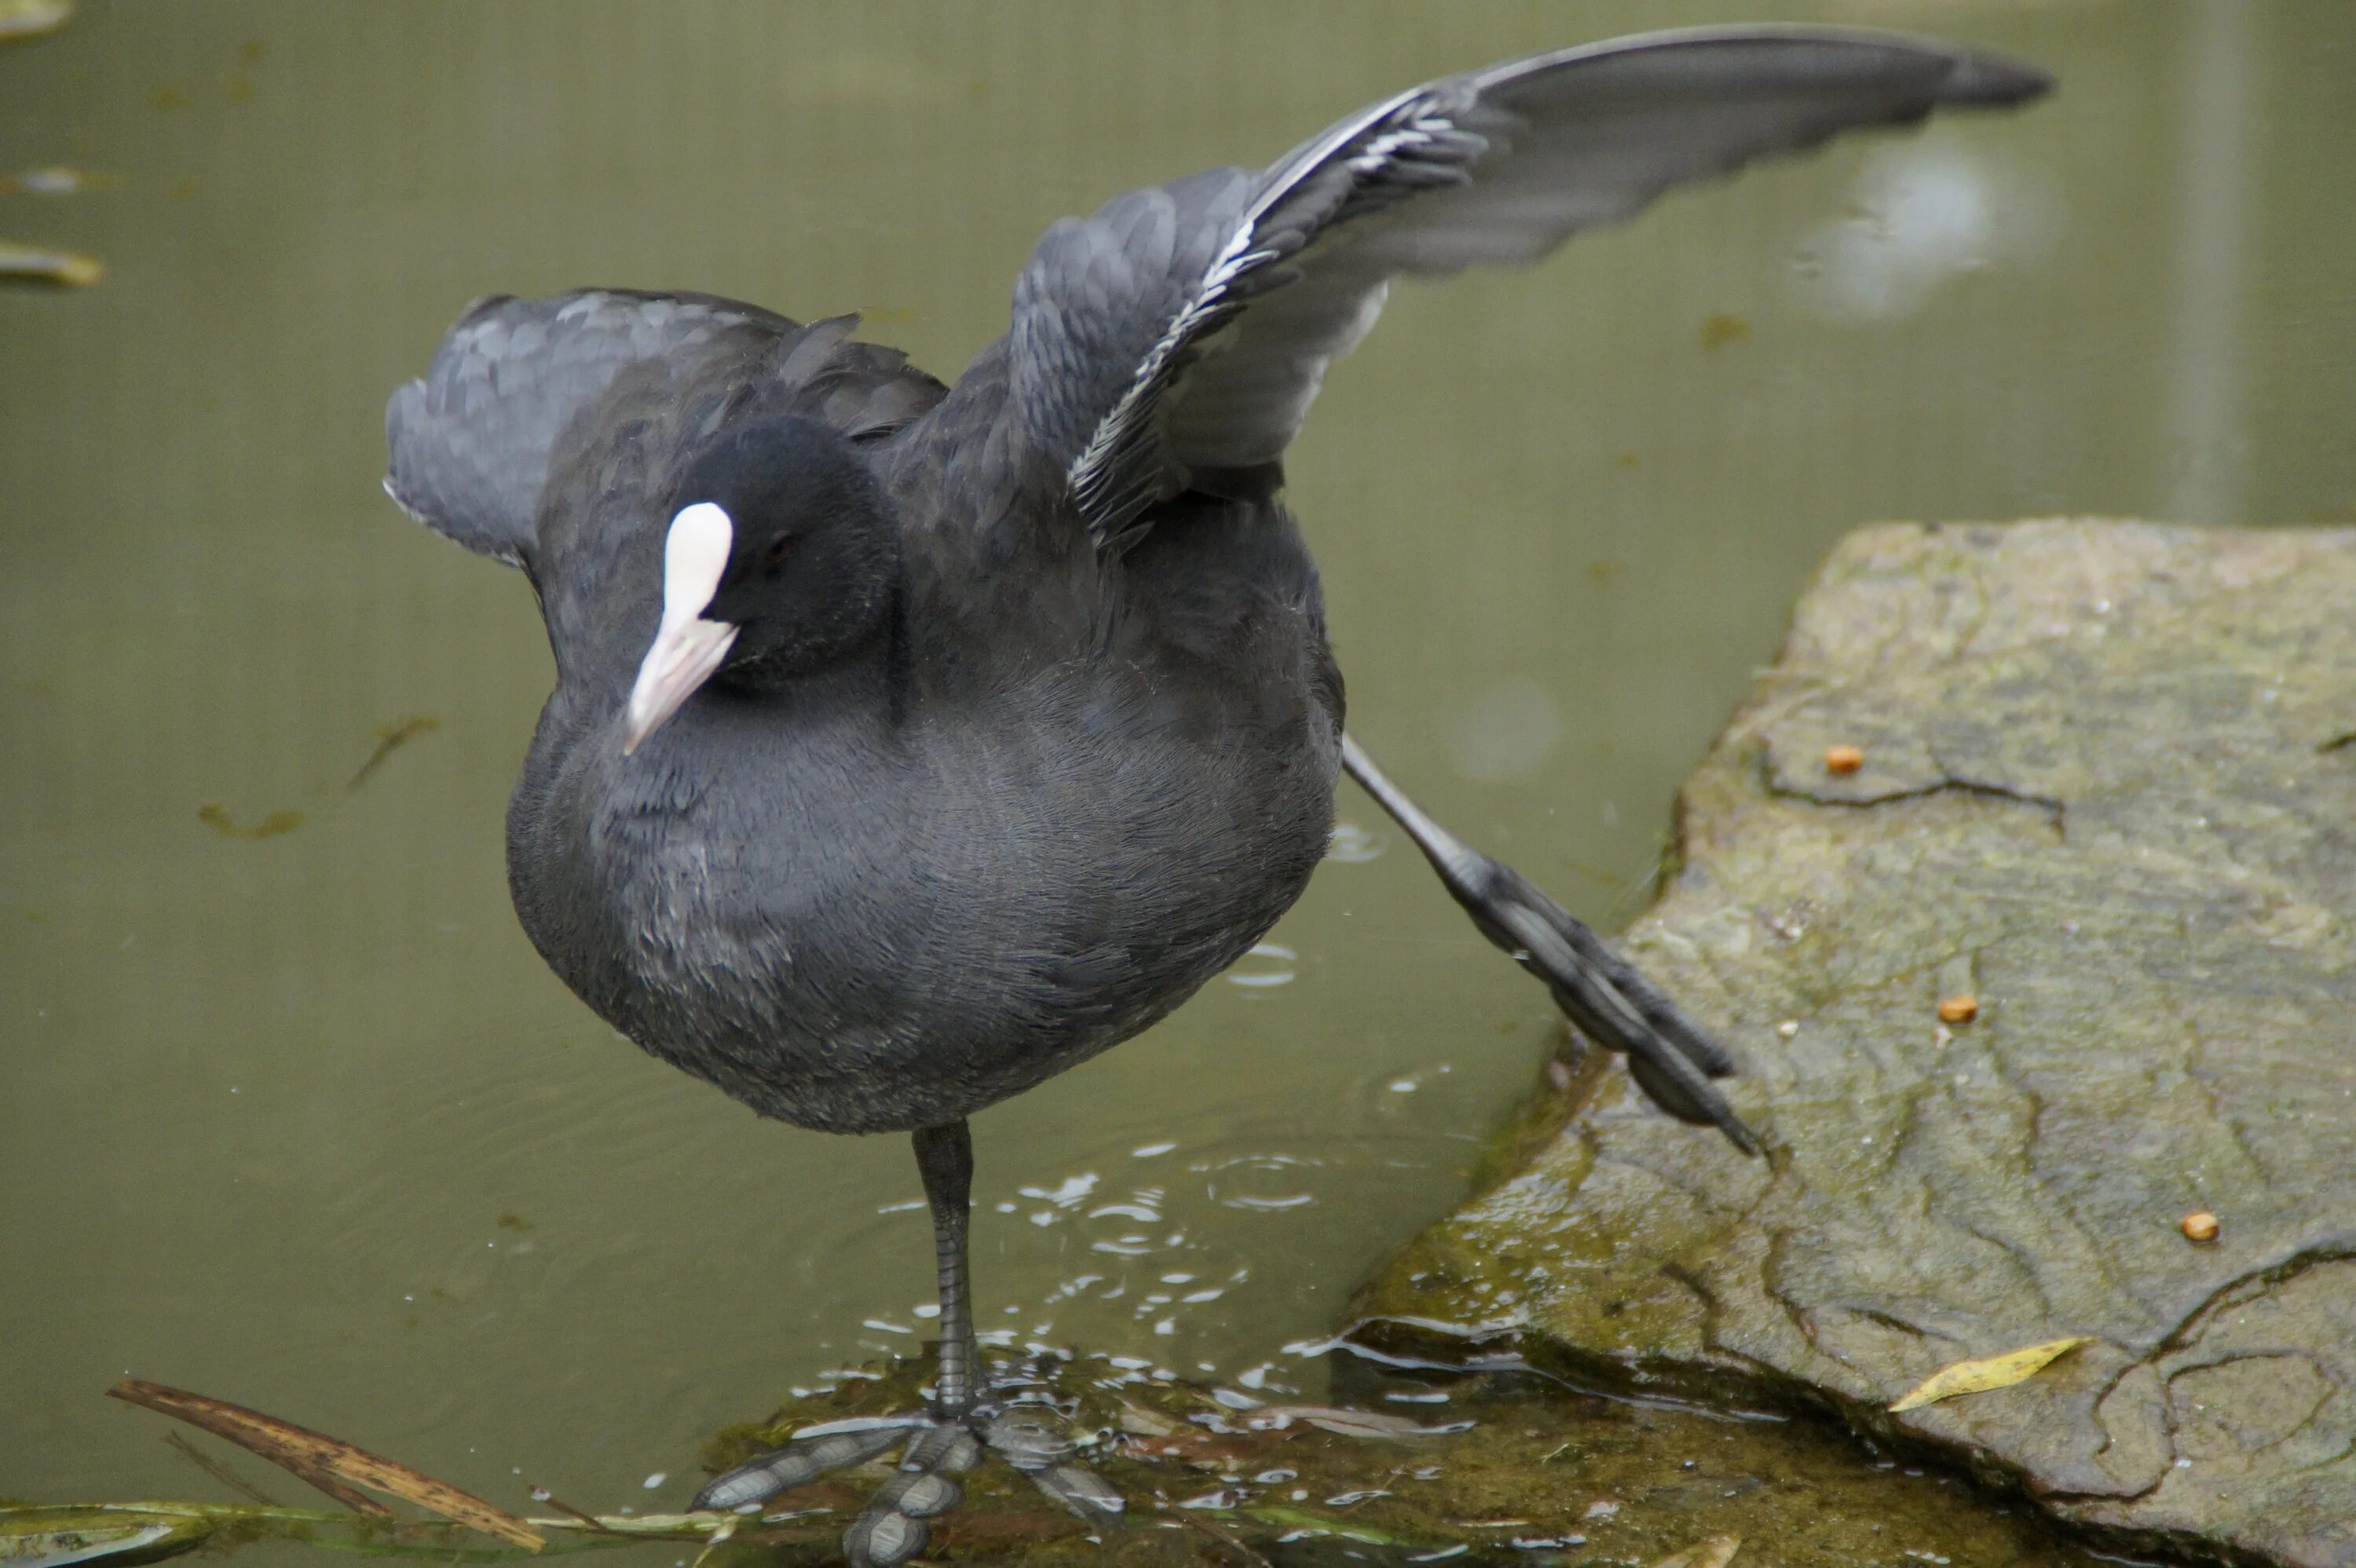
(912, 743)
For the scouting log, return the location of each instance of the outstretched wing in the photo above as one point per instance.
(470, 443)
(1236, 291)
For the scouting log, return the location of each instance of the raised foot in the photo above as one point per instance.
(894, 1526)
(1671, 1057)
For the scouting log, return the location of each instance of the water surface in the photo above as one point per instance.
(299, 1119)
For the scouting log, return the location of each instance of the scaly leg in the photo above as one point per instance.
(945, 1160)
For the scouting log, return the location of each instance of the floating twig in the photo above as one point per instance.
(326, 1462)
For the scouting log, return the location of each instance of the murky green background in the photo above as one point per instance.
(303, 1122)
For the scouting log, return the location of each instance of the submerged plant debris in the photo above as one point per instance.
(1716, 1552)
(1423, 1465)
(391, 737)
(1719, 330)
(216, 1470)
(215, 816)
(1494, 1468)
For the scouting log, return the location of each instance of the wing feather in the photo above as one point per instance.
(1216, 327)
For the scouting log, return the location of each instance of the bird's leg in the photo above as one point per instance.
(945, 1161)
(1671, 1057)
(892, 1527)
(892, 1530)
(951, 1438)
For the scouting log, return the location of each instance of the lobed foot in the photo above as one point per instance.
(1671, 1057)
(894, 1526)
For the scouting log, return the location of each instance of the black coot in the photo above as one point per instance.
(912, 743)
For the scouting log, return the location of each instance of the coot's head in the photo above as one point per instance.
(781, 558)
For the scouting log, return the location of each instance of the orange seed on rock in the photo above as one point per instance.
(1959, 1009)
(2199, 1226)
(1843, 759)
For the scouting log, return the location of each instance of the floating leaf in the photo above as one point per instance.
(58, 269)
(38, 1541)
(321, 1460)
(1982, 1373)
(56, 180)
(31, 18)
(1714, 1552)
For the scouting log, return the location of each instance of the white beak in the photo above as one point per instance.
(686, 648)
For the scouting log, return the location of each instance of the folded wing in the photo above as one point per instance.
(471, 441)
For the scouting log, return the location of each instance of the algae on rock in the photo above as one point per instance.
(2108, 788)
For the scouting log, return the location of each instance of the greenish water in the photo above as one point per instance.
(300, 1120)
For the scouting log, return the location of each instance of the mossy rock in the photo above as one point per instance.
(2108, 790)
(1482, 1469)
